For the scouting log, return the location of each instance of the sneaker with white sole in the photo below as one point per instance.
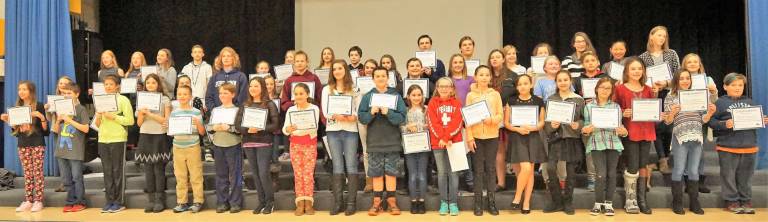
(37, 206)
(25, 206)
(116, 207)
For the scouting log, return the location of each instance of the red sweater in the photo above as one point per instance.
(444, 120)
(638, 131)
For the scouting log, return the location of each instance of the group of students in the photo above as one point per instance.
(556, 147)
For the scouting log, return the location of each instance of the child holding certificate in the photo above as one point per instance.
(544, 87)
(112, 138)
(687, 143)
(525, 143)
(618, 52)
(458, 74)
(416, 121)
(187, 162)
(692, 63)
(382, 117)
(61, 84)
(228, 154)
(257, 143)
(303, 145)
(604, 146)
(31, 146)
(416, 71)
(445, 123)
(592, 72)
(197, 103)
(641, 135)
(109, 66)
(153, 152)
(483, 140)
(70, 131)
(341, 128)
(301, 73)
(737, 149)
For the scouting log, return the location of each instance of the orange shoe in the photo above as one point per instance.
(376, 207)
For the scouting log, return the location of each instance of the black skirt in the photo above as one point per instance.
(153, 148)
(569, 150)
(526, 148)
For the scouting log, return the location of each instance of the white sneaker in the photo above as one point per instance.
(37, 206)
(25, 206)
(285, 157)
(208, 157)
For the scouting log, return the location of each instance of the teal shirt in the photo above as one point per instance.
(601, 139)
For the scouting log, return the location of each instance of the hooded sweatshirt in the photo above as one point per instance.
(383, 130)
(493, 99)
(729, 140)
(444, 120)
(235, 77)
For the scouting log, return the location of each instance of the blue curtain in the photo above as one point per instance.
(758, 55)
(38, 42)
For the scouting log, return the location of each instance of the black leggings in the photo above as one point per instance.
(605, 168)
(259, 160)
(636, 153)
(484, 164)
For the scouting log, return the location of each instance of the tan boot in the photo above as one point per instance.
(376, 206)
(368, 185)
(299, 208)
(308, 208)
(393, 209)
(664, 165)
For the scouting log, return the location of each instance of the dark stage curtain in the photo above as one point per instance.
(713, 29)
(257, 30)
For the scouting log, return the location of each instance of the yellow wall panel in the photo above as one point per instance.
(75, 6)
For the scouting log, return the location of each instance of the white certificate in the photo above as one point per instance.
(384, 100)
(427, 58)
(605, 118)
(98, 88)
(659, 72)
(617, 71)
(311, 86)
(323, 74)
(180, 125)
(559, 111)
(416, 142)
(260, 75)
(392, 81)
(105, 102)
(224, 116)
(255, 118)
(646, 110)
(148, 100)
(423, 83)
(64, 106)
(365, 84)
(354, 73)
(472, 64)
(341, 105)
(50, 100)
(19, 115)
(693, 100)
(698, 81)
(588, 87)
(475, 113)
(128, 85)
(283, 71)
(457, 156)
(146, 70)
(537, 64)
(304, 119)
(524, 115)
(747, 118)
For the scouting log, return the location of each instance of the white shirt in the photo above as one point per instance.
(199, 76)
(332, 125)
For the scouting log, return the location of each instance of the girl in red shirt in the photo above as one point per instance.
(445, 122)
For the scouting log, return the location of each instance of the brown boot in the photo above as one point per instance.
(299, 208)
(393, 209)
(376, 207)
(368, 185)
(308, 209)
(664, 165)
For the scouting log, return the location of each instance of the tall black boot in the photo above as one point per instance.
(556, 202)
(338, 194)
(159, 202)
(353, 185)
(492, 203)
(478, 204)
(677, 197)
(642, 202)
(693, 195)
(150, 203)
(568, 198)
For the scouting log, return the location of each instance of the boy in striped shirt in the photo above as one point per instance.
(187, 161)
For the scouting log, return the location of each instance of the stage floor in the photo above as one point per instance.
(94, 214)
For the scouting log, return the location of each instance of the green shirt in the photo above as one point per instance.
(113, 131)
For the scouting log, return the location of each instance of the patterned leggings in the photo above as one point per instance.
(32, 164)
(303, 160)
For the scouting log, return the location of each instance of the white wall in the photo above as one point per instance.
(393, 26)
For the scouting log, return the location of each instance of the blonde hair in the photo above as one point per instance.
(654, 30)
(168, 54)
(691, 56)
(114, 59)
(59, 80)
(143, 61)
(219, 65)
(452, 94)
(463, 71)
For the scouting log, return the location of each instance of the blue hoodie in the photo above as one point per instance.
(728, 137)
(383, 130)
(233, 76)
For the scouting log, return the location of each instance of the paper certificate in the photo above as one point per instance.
(747, 118)
(423, 83)
(475, 113)
(524, 115)
(180, 125)
(365, 84)
(65, 107)
(98, 88)
(617, 71)
(19, 115)
(659, 72)
(588, 87)
(457, 155)
(605, 118)
(392, 81)
(693, 100)
(384, 100)
(283, 71)
(128, 85)
(646, 110)
(255, 118)
(341, 105)
(311, 86)
(146, 70)
(224, 116)
(50, 100)
(148, 100)
(698, 81)
(558, 111)
(105, 102)
(323, 74)
(304, 119)
(260, 75)
(537, 64)
(472, 64)
(427, 58)
(416, 142)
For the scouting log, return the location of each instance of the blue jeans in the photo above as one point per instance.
(229, 175)
(343, 147)
(417, 174)
(447, 181)
(687, 157)
(72, 175)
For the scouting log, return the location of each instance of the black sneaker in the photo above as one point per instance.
(235, 209)
(222, 208)
(269, 207)
(181, 208)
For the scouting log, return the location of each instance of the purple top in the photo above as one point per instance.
(462, 88)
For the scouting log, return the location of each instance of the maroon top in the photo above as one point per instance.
(638, 131)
